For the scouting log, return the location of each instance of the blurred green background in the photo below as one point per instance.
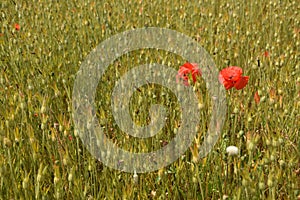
(42, 158)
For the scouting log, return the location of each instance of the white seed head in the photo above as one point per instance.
(232, 150)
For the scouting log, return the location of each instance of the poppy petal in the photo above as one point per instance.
(241, 83)
(17, 27)
(232, 73)
(186, 69)
(228, 84)
(188, 65)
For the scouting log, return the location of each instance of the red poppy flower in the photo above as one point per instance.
(232, 77)
(266, 54)
(186, 69)
(17, 27)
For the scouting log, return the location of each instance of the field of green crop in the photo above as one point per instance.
(42, 45)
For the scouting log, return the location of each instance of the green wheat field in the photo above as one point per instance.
(43, 44)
